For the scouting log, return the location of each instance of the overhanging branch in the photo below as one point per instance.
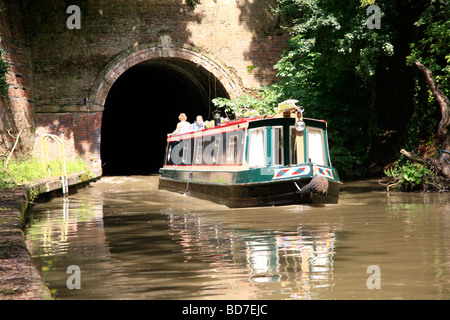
(441, 99)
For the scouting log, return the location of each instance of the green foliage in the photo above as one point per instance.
(433, 48)
(251, 68)
(425, 118)
(410, 175)
(31, 170)
(338, 69)
(4, 67)
(264, 104)
(245, 102)
(330, 67)
(365, 3)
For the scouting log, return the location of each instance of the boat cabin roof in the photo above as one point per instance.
(261, 122)
(291, 121)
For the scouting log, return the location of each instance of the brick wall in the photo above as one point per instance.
(17, 107)
(66, 64)
(80, 133)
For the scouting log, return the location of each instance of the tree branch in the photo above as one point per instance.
(412, 156)
(442, 100)
(13, 148)
(5, 169)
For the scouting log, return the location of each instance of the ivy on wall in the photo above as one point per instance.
(4, 66)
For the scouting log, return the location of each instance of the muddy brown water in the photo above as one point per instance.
(130, 240)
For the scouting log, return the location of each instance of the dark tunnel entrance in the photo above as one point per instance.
(143, 105)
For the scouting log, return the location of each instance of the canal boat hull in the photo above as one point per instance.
(249, 194)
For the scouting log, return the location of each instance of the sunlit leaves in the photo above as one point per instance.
(433, 48)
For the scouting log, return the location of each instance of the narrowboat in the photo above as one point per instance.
(252, 162)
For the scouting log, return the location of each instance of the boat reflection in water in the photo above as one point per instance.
(298, 260)
(125, 251)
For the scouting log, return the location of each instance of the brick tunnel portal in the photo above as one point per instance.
(143, 105)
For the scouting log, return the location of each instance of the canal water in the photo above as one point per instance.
(122, 238)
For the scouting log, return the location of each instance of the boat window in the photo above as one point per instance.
(169, 151)
(218, 150)
(212, 149)
(277, 145)
(296, 147)
(198, 151)
(293, 146)
(232, 150)
(257, 148)
(186, 159)
(316, 150)
(174, 152)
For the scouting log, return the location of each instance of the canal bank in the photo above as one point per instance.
(19, 278)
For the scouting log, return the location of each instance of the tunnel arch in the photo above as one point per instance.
(145, 52)
(141, 95)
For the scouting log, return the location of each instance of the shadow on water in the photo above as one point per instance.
(362, 186)
(133, 241)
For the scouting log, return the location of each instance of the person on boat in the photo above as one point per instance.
(183, 126)
(199, 124)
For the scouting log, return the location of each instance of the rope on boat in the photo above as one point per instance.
(442, 155)
(187, 186)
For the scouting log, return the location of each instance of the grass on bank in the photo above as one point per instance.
(26, 171)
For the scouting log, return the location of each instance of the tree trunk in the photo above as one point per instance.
(442, 163)
(444, 104)
(444, 125)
